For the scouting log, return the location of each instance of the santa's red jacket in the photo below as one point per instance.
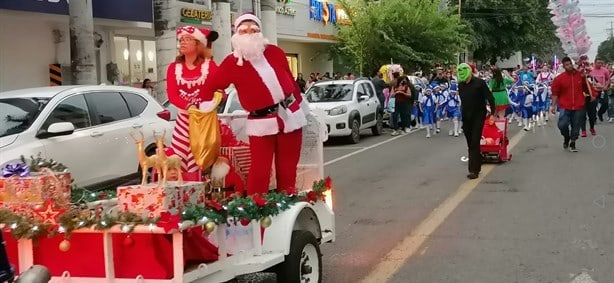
(260, 85)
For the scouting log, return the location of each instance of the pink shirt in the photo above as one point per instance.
(600, 75)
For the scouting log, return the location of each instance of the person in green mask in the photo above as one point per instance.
(474, 94)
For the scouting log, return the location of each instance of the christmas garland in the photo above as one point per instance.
(244, 209)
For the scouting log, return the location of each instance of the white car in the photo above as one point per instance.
(350, 105)
(87, 128)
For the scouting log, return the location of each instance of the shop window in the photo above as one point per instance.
(293, 63)
(136, 60)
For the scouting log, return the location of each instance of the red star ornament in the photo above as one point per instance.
(168, 221)
(49, 214)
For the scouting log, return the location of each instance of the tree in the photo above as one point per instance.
(605, 50)
(411, 33)
(499, 28)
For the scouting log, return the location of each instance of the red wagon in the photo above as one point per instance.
(494, 142)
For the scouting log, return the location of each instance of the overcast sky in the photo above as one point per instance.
(598, 14)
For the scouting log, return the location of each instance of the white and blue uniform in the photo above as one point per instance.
(428, 109)
(453, 106)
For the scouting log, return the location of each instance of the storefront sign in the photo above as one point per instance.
(195, 16)
(133, 10)
(325, 12)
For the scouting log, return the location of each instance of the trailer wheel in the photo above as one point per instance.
(304, 262)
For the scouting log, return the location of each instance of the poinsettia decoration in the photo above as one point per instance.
(168, 221)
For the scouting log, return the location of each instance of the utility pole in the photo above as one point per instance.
(82, 62)
(166, 17)
(222, 25)
(611, 29)
(269, 20)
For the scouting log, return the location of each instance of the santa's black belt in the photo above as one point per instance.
(273, 108)
(265, 111)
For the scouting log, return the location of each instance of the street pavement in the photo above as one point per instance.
(545, 216)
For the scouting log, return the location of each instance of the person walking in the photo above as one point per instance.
(568, 89)
(474, 93)
(601, 75)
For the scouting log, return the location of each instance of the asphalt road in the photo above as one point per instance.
(545, 216)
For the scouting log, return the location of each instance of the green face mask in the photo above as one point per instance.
(463, 71)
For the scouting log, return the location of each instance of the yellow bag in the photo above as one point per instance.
(205, 136)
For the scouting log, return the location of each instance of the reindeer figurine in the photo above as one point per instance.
(145, 161)
(167, 162)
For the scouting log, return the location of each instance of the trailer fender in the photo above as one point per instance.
(300, 216)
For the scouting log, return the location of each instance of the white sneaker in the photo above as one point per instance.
(611, 120)
(451, 132)
(407, 130)
(456, 135)
(438, 130)
(520, 124)
(428, 136)
(395, 133)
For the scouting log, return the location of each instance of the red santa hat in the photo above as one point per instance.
(205, 36)
(247, 17)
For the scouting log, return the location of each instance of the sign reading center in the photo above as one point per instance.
(196, 16)
(322, 11)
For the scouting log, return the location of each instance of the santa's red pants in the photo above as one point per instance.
(286, 148)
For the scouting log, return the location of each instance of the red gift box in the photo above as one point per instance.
(151, 199)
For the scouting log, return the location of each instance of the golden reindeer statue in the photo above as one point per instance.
(167, 162)
(145, 161)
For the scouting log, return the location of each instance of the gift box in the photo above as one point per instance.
(240, 157)
(21, 194)
(150, 200)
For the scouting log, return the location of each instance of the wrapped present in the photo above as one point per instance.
(152, 199)
(241, 158)
(34, 189)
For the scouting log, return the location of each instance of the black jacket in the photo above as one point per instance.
(474, 96)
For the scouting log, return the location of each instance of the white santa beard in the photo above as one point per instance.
(249, 46)
(219, 171)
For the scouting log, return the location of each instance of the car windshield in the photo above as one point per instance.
(330, 93)
(18, 114)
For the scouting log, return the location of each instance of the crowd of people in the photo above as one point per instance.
(521, 95)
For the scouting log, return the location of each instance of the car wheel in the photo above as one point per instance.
(354, 136)
(378, 129)
(304, 262)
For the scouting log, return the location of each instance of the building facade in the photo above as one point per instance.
(34, 34)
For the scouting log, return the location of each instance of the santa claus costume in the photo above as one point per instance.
(266, 89)
(184, 87)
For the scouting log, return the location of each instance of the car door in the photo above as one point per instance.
(363, 105)
(114, 124)
(78, 150)
(372, 104)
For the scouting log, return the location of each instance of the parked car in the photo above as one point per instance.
(87, 128)
(350, 105)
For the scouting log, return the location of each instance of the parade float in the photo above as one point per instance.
(166, 230)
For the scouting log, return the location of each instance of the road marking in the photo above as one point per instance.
(344, 147)
(401, 253)
(367, 148)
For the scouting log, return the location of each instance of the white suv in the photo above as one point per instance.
(87, 128)
(351, 106)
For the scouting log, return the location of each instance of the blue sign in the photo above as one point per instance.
(125, 10)
(322, 11)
